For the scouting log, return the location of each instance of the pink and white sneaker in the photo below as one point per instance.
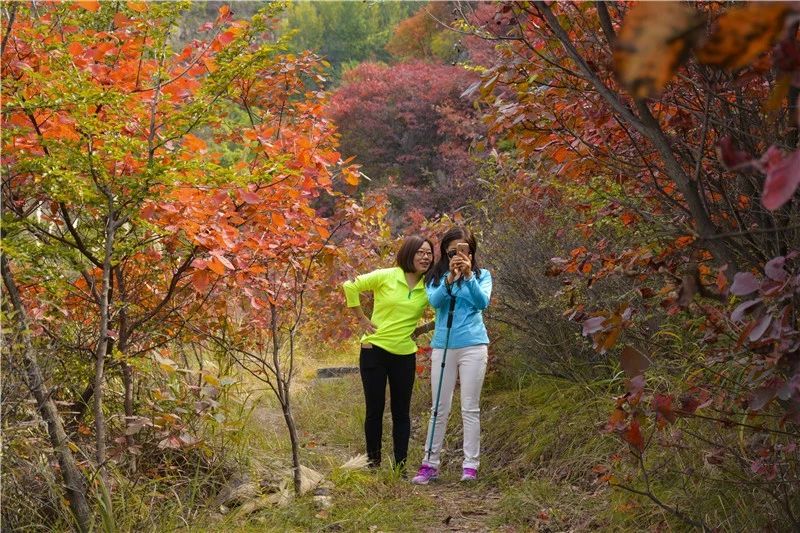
(425, 475)
(469, 474)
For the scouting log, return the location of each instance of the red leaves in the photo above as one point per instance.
(743, 309)
(689, 403)
(783, 177)
(249, 197)
(774, 269)
(760, 327)
(662, 405)
(761, 398)
(782, 171)
(201, 280)
(744, 283)
(732, 158)
(593, 325)
(633, 435)
(403, 118)
(634, 362)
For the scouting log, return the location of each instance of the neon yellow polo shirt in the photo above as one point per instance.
(396, 309)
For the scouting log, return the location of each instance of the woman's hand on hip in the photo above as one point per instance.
(366, 325)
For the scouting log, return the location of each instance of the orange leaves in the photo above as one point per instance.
(351, 176)
(61, 130)
(218, 264)
(742, 34)
(75, 49)
(193, 143)
(138, 7)
(201, 280)
(654, 40)
(627, 218)
(278, 220)
(89, 5)
(323, 231)
(606, 328)
(185, 194)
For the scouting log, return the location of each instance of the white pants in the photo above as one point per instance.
(469, 364)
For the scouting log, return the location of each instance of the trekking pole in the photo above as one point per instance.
(441, 374)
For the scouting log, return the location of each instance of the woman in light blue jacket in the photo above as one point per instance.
(457, 285)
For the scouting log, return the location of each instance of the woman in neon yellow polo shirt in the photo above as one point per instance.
(387, 350)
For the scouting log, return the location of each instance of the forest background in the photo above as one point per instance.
(185, 186)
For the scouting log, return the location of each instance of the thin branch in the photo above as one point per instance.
(605, 22)
(11, 16)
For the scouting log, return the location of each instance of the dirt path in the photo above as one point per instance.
(460, 507)
(452, 505)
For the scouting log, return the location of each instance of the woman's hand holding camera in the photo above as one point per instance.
(460, 267)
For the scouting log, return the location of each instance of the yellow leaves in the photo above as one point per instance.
(654, 40)
(210, 379)
(167, 365)
(742, 34)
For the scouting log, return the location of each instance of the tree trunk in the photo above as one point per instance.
(289, 419)
(127, 370)
(127, 380)
(283, 383)
(74, 482)
(102, 345)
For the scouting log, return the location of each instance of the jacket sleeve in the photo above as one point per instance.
(437, 296)
(479, 291)
(363, 283)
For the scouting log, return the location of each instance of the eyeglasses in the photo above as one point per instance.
(451, 253)
(424, 253)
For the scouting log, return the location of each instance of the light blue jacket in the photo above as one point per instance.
(472, 297)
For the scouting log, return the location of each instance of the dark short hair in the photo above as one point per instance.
(405, 256)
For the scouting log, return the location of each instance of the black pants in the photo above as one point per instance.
(376, 366)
